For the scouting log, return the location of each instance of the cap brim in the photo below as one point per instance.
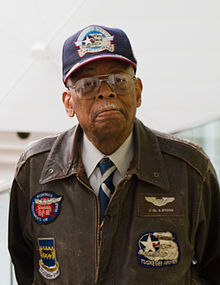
(81, 63)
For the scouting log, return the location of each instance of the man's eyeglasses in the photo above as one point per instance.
(86, 88)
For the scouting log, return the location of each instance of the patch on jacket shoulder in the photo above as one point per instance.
(157, 249)
(45, 207)
(49, 266)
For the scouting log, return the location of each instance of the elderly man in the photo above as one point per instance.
(111, 202)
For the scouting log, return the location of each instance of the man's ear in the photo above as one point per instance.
(138, 88)
(68, 103)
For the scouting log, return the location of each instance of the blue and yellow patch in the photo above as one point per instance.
(49, 266)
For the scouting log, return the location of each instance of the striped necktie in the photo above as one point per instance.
(107, 187)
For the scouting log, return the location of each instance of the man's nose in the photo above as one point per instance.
(105, 91)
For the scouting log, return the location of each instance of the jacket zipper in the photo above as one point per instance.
(123, 180)
(98, 227)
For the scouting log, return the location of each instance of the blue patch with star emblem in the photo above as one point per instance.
(158, 249)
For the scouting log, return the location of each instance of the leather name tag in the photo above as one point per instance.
(157, 205)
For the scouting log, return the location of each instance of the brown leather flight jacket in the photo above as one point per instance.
(161, 225)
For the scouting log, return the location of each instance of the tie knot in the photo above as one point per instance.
(105, 164)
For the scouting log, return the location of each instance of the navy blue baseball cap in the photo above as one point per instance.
(95, 42)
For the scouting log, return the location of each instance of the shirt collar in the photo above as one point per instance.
(63, 157)
(121, 157)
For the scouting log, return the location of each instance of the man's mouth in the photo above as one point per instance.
(108, 108)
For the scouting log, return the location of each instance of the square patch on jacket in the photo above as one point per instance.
(159, 205)
(157, 249)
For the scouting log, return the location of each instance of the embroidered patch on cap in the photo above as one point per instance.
(94, 39)
(49, 267)
(45, 207)
(158, 249)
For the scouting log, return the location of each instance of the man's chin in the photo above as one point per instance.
(109, 128)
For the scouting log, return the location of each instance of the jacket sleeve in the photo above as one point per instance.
(19, 247)
(207, 243)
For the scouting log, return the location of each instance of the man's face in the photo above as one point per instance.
(108, 114)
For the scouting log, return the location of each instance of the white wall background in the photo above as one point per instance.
(176, 43)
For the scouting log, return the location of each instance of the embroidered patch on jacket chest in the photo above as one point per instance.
(158, 205)
(157, 249)
(45, 207)
(49, 266)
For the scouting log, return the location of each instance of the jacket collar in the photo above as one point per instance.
(63, 158)
(148, 164)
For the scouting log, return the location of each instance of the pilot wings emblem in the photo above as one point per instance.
(159, 202)
(48, 201)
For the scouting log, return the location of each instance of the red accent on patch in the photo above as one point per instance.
(44, 211)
